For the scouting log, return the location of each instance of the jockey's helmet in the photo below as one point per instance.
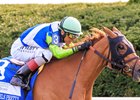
(71, 25)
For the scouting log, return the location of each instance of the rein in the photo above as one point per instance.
(112, 62)
(74, 81)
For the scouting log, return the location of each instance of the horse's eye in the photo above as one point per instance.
(121, 47)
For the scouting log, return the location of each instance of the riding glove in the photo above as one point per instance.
(84, 46)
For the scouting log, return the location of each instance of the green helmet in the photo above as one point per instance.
(70, 25)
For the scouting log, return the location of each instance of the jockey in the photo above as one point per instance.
(38, 44)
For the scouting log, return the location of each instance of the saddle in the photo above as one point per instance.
(17, 62)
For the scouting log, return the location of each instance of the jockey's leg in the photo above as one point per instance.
(19, 78)
(33, 57)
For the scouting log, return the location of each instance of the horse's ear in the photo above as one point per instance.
(115, 30)
(109, 32)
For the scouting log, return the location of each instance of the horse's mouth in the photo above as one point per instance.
(136, 75)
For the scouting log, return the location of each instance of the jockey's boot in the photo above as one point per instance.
(19, 78)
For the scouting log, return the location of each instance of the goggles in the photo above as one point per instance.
(73, 36)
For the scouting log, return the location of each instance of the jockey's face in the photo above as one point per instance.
(67, 38)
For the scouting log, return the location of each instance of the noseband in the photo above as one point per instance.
(117, 60)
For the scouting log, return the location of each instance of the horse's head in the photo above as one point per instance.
(123, 55)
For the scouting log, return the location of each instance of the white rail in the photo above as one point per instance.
(115, 98)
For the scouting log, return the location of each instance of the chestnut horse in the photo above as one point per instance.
(111, 48)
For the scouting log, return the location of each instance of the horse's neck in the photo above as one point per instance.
(93, 64)
(60, 74)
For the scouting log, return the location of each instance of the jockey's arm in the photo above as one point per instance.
(59, 52)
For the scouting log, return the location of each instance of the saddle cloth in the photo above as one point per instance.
(8, 91)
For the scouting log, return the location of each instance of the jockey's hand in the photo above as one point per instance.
(85, 45)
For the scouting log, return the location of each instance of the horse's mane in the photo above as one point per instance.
(94, 35)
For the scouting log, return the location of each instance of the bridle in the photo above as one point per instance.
(118, 65)
(117, 61)
(130, 69)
